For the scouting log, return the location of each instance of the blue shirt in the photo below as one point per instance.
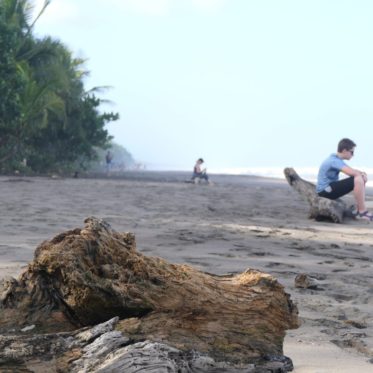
(329, 172)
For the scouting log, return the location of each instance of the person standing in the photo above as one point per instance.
(330, 186)
(108, 158)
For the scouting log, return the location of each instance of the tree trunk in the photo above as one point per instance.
(320, 208)
(87, 276)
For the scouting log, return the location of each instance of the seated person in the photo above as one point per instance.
(329, 185)
(198, 173)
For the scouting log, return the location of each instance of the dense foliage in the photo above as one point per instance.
(48, 122)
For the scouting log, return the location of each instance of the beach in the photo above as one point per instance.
(239, 222)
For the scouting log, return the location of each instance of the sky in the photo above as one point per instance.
(240, 83)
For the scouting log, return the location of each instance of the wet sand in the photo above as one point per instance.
(239, 222)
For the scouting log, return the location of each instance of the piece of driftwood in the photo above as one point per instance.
(304, 281)
(106, 350)
(320, 208)
(87, 276)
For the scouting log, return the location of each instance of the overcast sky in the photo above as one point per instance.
(241, 83)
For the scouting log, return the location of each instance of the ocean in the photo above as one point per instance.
(307, 173)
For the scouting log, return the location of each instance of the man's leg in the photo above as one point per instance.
(339, 188)
(355, 184)
(195, 178)
(359, 193)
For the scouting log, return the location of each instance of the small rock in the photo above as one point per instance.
(356, 324)
(305, 282)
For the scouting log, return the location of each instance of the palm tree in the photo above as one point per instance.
(57, 119)
(40, 68)
(31, 98)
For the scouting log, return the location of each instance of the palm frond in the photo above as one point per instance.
(98, 89)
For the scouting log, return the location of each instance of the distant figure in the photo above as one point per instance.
(199, 173)
(109, 158)
(329, 185)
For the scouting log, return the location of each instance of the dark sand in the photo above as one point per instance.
(239, 222)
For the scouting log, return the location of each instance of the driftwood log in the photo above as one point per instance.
(87, 276)
(320, 208)
(104, 349)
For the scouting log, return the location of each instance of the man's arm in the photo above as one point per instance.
(353, 172)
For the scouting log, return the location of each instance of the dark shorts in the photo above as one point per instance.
(201, 175)
(339, 188)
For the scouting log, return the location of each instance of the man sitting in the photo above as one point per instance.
(329, 185)
(199, 173)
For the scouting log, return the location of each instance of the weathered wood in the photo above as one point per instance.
(86, 276)
(106, 350)
(304, 281)
(320, 208)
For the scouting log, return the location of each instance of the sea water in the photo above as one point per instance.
(307, 173)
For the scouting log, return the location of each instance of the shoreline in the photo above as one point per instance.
(239, 222)
(150, 176)
(164, 176)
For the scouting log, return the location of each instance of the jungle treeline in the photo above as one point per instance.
(49, 122)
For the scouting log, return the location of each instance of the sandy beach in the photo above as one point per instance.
(237, 223)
